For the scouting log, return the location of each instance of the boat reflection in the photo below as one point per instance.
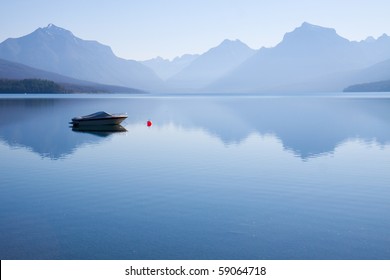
(99, 130)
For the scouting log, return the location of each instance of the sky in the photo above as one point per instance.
(143, 29)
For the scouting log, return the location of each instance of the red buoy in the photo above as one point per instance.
(149, 123)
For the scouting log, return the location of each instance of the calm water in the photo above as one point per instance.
(213, 178)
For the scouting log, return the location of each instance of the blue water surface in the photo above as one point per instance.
(214, 177)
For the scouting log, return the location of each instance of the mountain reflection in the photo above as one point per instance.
(308, 126)
(42, 125)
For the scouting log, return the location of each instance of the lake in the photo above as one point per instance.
(214, 177)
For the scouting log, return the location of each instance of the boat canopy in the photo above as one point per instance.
(97, 115)
(100, 114)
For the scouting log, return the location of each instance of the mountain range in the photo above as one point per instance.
(310, 58)
(16, 71)
(57, 50)
(211, 66)
(165, 68)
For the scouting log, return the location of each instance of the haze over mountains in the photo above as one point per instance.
(16, 71)
(211, 65)
(57, 50)
(310, 58)
(165, 68)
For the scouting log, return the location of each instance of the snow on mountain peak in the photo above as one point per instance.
(52, 29)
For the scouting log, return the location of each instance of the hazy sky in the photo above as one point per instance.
(142, 29)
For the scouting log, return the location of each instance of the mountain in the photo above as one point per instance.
(372, 79)
(382, 86)
(57, 50)
(166, 68)
(16, 71)
(310, 58)
(377, 72)
(211, 65)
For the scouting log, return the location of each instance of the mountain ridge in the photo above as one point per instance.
(308, 58)
(16, 71)
(211, 65)
(166, 68)
(304, 60)
(55, 49)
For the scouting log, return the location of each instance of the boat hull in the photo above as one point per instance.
(98, 122)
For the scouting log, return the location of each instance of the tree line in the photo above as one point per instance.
(30, 86)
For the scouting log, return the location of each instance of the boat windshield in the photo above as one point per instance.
(98, 115)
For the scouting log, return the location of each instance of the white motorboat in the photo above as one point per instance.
(98, 119)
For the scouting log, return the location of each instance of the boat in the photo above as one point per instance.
(98, 119)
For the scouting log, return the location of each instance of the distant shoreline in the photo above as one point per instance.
(303, 95)
(42, 86)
